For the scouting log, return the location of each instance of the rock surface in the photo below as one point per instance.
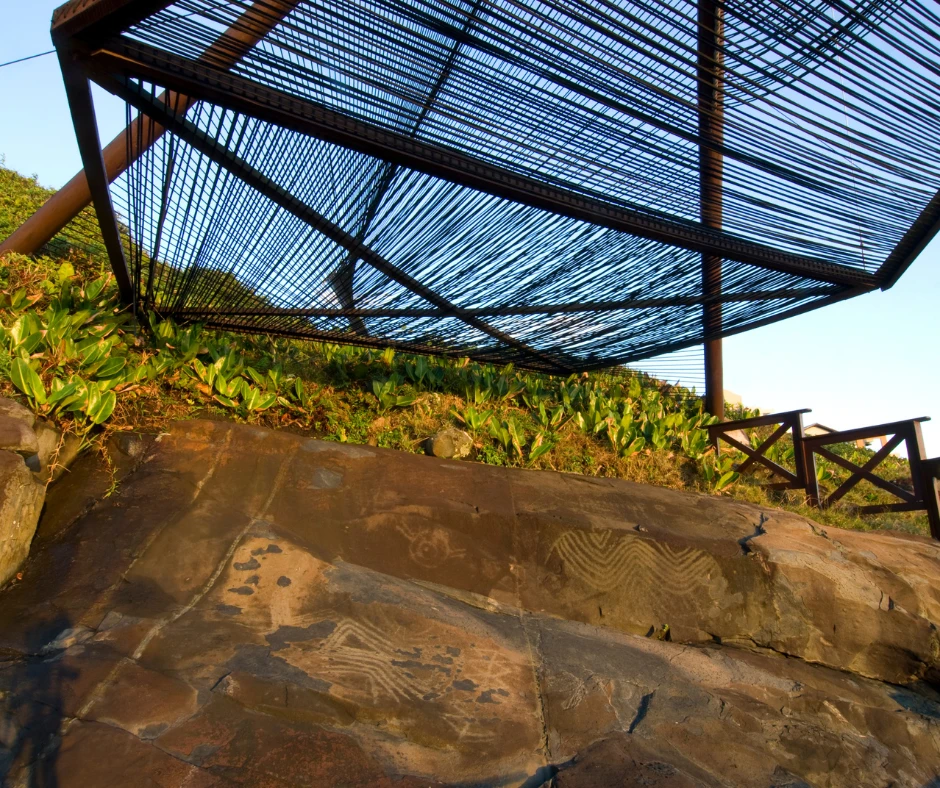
(17, 436)
(56, 451)
(32, 453)
(449, 444)
(21, 497)
(15, 410)
(255, 608)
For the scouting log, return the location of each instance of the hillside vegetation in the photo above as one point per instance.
(82, 362)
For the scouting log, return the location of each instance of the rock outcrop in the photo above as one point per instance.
(256, 608)
(21, 493)
(449, 444)
(32, 454)
(21, 497)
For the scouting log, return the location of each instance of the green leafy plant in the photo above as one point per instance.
(718, 471)
(388, 395)
(473, 419)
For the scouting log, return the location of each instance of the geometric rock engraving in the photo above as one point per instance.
(360, 651)
(606, 560)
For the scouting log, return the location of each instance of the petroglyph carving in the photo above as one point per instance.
(428, 546)
(606, 560)
(469, 729)
(359, 658)
(358, 651)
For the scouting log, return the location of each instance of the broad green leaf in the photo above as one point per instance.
(93, 354)
(265, 401)
(103, 408)
(726, 479)
(62, 392)
(66, 271)
(300, 392)
(223, 386)
(93, 290)
(24, 377)
(111, 367)
(540, 445)
(256, 376)
(30, 343)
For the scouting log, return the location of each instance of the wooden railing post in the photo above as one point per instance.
(930, 476)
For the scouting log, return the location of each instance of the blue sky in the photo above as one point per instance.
(872, 359)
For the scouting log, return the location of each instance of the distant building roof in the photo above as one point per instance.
(817, 429)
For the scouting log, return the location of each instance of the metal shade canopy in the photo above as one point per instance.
(565, 185)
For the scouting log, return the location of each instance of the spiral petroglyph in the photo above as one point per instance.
(428, 546)
(606, 560)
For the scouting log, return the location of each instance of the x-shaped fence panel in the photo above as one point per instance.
(906, 432)
(924, 492)
(734, 434)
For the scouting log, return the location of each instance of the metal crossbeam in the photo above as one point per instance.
(201, 80)
(506, 311)
(96, 18)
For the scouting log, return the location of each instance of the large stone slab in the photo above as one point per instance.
(256, 608)
(21, 498)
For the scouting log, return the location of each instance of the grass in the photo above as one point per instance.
(85, 364)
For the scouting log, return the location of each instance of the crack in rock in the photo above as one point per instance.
(759, 530)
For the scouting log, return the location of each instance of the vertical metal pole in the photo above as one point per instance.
(711, 130)
(78, 93)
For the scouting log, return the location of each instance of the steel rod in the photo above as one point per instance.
(502, 311)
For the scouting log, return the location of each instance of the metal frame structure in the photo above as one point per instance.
(276, 77)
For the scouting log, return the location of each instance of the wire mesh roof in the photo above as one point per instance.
(518, 180)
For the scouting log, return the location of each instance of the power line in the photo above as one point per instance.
(41, 54)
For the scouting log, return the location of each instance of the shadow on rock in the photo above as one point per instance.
(32, 703)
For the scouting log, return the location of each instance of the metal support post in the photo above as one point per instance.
(711, 164)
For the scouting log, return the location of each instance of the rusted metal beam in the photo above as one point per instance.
(711, 175)
(95, 18)
(138, 60)
(63, 206)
